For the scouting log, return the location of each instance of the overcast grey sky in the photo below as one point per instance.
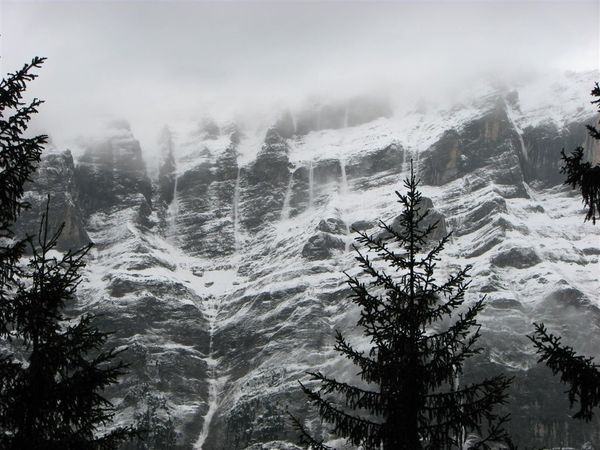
(153, 62)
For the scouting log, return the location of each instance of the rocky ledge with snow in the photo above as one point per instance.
(224, 276)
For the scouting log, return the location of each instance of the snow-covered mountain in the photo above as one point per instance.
(224, 276)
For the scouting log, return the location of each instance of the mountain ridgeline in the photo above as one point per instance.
(224, 275)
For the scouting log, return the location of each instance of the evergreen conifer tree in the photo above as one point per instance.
(52, 368)
(582, 174)
(413, 400)
(18, 159)
(581, 373)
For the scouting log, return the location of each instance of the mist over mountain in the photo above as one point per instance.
(223, 272)
(219, 155)
(161, 62)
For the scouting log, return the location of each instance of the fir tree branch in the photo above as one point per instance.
(581, 175)
(357, 430)
(354, 397)
(444, 360)
(380, 277)
(306, 438)
(382, 248)
(579, 372)
(454, 291)
(594, 132)
(369, 370)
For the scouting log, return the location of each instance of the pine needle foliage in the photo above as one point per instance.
(19, 157)
(581, 373)
(52, 368)
(410, 399)
(594, 132)
(582, 174)
(50, 387)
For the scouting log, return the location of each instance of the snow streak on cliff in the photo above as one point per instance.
(224, 277)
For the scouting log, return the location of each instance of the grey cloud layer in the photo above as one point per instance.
(157, 61)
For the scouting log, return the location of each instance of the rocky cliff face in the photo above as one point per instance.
(225, 278)
(55, 181)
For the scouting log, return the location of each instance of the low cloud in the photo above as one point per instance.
(159, 62)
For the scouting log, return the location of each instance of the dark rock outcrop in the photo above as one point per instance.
(432, 218)
(490, 141)
(112, 172)
(362, 225)
(543, 144)
(321, 246)
(265, 183)
(206, 205)
(54, 179)
(166, 170)
(519, 258)
(332, 225)
(387, 159)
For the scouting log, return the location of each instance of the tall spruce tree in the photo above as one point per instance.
(413, 400)
(19, 157)
(52, 368)
(580, 373)
(582, 174)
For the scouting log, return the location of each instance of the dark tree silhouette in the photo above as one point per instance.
(18, 159)
(52, 368)
(581, 174)
(410, 399)
(53, 400)
(581, 373)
